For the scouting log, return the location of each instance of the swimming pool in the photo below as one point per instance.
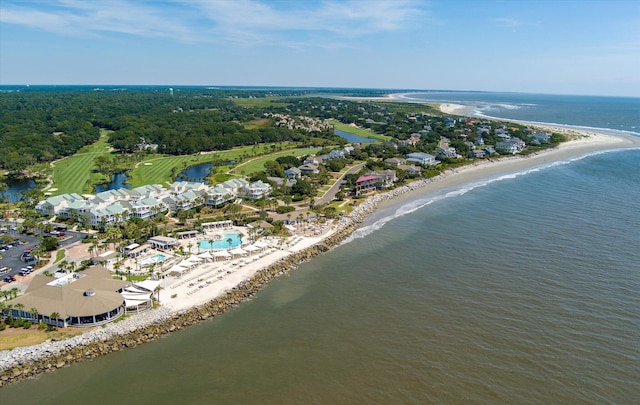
(159, 258)
(230, 240)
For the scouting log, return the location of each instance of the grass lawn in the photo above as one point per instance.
(17, 337)
(257, 164)
(75, 174)
(59, 255)
(363, 132)
(157, 170)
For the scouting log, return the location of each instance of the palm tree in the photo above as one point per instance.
(19, 306)
(229, 241)
(63, 265)
(54, 317)
(94, 247)
(34, 312)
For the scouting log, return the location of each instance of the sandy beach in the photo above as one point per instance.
(214, 287)
(211, 280)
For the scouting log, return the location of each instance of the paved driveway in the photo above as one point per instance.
(331, 193)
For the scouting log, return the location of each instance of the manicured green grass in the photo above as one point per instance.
(75, 174)
(365, 133)
(59, 256)
(157, 170)
(257, 164)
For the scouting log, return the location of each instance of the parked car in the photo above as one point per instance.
(8, 279)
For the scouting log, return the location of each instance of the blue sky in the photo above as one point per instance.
(543, 46)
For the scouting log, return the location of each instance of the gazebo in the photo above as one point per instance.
(239, 252)
(221, 254)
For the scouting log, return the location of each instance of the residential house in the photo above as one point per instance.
(367, 183)
(394, 161)
(309, 168)
(513, 146)
(293, 173)
(449, 152)
(540, 137)
(422, 158)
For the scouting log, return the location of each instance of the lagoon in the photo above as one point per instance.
(197, 173)
(118, 180)
(14, 188)
(353, 138)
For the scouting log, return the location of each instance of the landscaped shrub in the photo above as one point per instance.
(283, 209)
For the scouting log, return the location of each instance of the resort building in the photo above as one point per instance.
(88, 298)
(162, 242)
(255, 190)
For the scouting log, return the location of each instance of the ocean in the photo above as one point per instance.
(521, 288)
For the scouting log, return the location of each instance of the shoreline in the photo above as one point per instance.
(28, 361)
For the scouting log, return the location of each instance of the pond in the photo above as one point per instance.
(197, 173)
(117, 181)
(13, 189)
(353, 138)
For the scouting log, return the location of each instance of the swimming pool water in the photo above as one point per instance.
(154, 259)
(222, 243)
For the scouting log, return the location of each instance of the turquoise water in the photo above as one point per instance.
(159, 258)
(222, 243)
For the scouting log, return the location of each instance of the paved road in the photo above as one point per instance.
(331, 193)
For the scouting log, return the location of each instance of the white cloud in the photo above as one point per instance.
(249, 22)
(72, 17)
(511, 23)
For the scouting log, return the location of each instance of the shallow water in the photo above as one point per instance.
(523, 290)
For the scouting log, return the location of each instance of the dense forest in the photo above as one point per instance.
(43, 124)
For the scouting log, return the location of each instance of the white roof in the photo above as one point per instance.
(251, 248)
(238, 251)
(177, 268)
(148, 284)
(221, 253)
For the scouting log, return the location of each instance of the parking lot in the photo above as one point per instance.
(16, 255)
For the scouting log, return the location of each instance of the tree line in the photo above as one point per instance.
(44, 124)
